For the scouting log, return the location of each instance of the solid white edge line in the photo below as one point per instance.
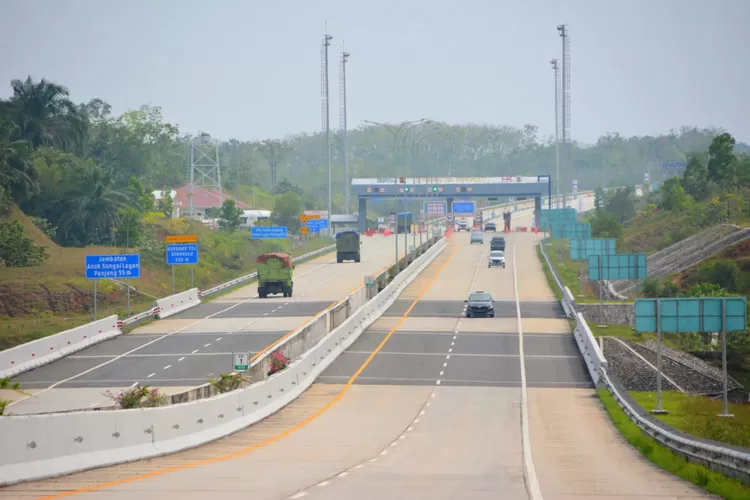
(532, 482)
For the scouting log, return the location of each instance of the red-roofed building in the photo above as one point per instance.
(202, 199)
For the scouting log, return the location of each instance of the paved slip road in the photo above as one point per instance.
(395, 432)
(185, 350)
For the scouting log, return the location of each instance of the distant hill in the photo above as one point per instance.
(742, 147)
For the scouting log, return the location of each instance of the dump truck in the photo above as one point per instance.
(274, 274)
(347, 246)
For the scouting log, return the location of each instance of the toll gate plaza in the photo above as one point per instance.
(450, 188)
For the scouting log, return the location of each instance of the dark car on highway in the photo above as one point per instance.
(497, 243)
(480, 304)
(490, 226)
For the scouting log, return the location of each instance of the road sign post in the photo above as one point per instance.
(241, 361)
(686, 315)
(182, 254)
(182, 239)
(122, 266)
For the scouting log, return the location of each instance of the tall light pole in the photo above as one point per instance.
(327, 43)
(406, 162)
(395, 147)
(557, 130)
(563, 30)
(342, 119)
(420, 136)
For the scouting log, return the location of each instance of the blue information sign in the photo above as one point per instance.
(317, 224)
(99, 267)
(268, 232)
(463, 207)
(182, 254)
(688, 315)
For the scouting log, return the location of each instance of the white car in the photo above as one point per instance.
(462, 225)
(496, 258)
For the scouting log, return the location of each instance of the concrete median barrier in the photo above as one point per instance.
(169, 306)
(40, 446)
(34, 354)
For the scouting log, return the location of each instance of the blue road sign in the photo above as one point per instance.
(581, 249)
(621, 266)
(178, 254)
(464, 207)
(268, 232)
(317, 223)
(99, 267)
(687, 315)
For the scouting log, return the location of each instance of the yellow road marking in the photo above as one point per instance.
(280, 436)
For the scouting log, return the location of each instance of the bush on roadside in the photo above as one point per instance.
(138, 397)
(227, 382)
(278, 362)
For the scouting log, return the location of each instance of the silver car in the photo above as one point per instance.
(496, 258)
(477, 237)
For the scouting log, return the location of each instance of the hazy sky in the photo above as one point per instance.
(250, 69)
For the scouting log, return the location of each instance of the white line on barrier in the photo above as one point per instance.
(532, 483)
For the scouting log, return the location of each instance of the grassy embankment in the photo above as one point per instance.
(711, 481)
(56, 296)
(694, 415)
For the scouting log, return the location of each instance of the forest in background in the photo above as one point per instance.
(85, 175)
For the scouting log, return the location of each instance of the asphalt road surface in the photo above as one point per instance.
(185, 350)
(436, 414)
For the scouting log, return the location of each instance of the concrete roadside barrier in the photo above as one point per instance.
(39, 352)
(169, 306)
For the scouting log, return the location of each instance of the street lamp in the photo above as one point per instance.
(395, 137)
(419, 137)
(557, 130)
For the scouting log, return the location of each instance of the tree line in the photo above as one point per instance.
(86, 175)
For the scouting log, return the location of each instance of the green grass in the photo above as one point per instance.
(697, 415)
(713, 482)
(548, 273)
(60, 283)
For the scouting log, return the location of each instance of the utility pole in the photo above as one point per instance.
(327, 121)
(342, 119)
(563, 29)
(557, 131)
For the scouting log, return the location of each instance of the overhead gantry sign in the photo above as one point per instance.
(449, 188)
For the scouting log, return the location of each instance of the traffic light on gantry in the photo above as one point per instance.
(434, 189)
(406, 189)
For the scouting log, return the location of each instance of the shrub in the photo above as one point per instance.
(138, 397)
(278, 362)
(227, 382)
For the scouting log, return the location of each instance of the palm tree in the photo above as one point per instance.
(17, 173)
(45, 115)
(92, 206)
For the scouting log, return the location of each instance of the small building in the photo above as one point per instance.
(203, 199)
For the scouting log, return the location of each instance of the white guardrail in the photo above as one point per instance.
(40, 352)
(711, 454)
(40, 446)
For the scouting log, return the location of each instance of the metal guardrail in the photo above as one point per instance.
(730, 461)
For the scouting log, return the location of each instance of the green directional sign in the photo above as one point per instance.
(621, 266)
(581, 249)
(571, 230)
(688, 315)
(557, 216)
